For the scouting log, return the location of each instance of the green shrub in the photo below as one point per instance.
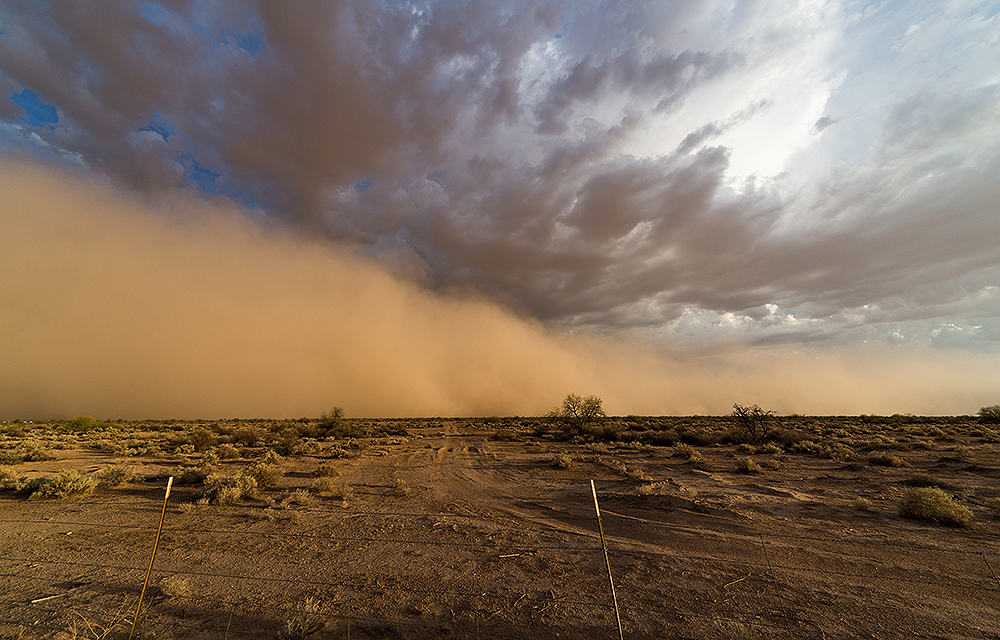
(579, 413)
(86, 423)
(64, 485)
(932, 504)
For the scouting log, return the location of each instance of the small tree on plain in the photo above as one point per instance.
(990, 414)
(581, 412)
(753, 423)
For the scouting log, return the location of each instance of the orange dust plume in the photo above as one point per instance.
(122, 307)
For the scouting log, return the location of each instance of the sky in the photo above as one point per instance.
(473, 208)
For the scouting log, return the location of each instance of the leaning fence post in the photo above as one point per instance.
(152, 557)
(607, 561)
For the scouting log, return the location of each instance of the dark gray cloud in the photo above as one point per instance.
(665, 167)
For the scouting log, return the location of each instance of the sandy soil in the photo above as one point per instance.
(449, 532)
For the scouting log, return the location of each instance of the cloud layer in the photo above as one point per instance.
(684, 175)
(119, 306)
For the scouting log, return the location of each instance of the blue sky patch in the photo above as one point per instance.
(364, 184)
(195, 173)
(157, 124)
(39, 113)
(249, 43)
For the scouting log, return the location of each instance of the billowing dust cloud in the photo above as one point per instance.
(120, 307)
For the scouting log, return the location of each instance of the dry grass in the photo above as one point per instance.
(932, 504)
(69, 483)
(115, 475)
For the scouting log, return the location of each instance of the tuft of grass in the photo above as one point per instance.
(326, 471)
(175, 587)
(932, 504)
(305, 621)
(885, 459)
(862, 504)
(115, 475)
(687, 451)
(562, 460)
(69, 483)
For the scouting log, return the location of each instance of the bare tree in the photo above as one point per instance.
(753, 422)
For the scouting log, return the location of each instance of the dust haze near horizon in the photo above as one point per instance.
(120, 306)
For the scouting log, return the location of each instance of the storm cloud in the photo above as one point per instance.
(689, 175)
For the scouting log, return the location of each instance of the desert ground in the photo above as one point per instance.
(820, 527)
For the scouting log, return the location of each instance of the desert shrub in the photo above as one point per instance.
(264, 474)
(838, 451)
(753, 424)
(685, 450)
(271, 457)
(175, 587)
(961, 452)
(700, 437)
(807, 446)
(209, 459)
(746, 465)
(300, 497)
(324, 484)
(661, 438)
(326, 471)
(62, 486)
(191, 475)
(228, 452)
(932, 504)
(862, 504)
(747, 448)
(115, 475)
(991, 436)
(506, 434)
(25, 451)
(228, 489)
(8, 479)
(562, 461)
(922, 480)
(203, 439)
(770, 447)
(87, 423)
(332, 419)
(184, 449)
(990, 414)
(888, 460)
(248, 436)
